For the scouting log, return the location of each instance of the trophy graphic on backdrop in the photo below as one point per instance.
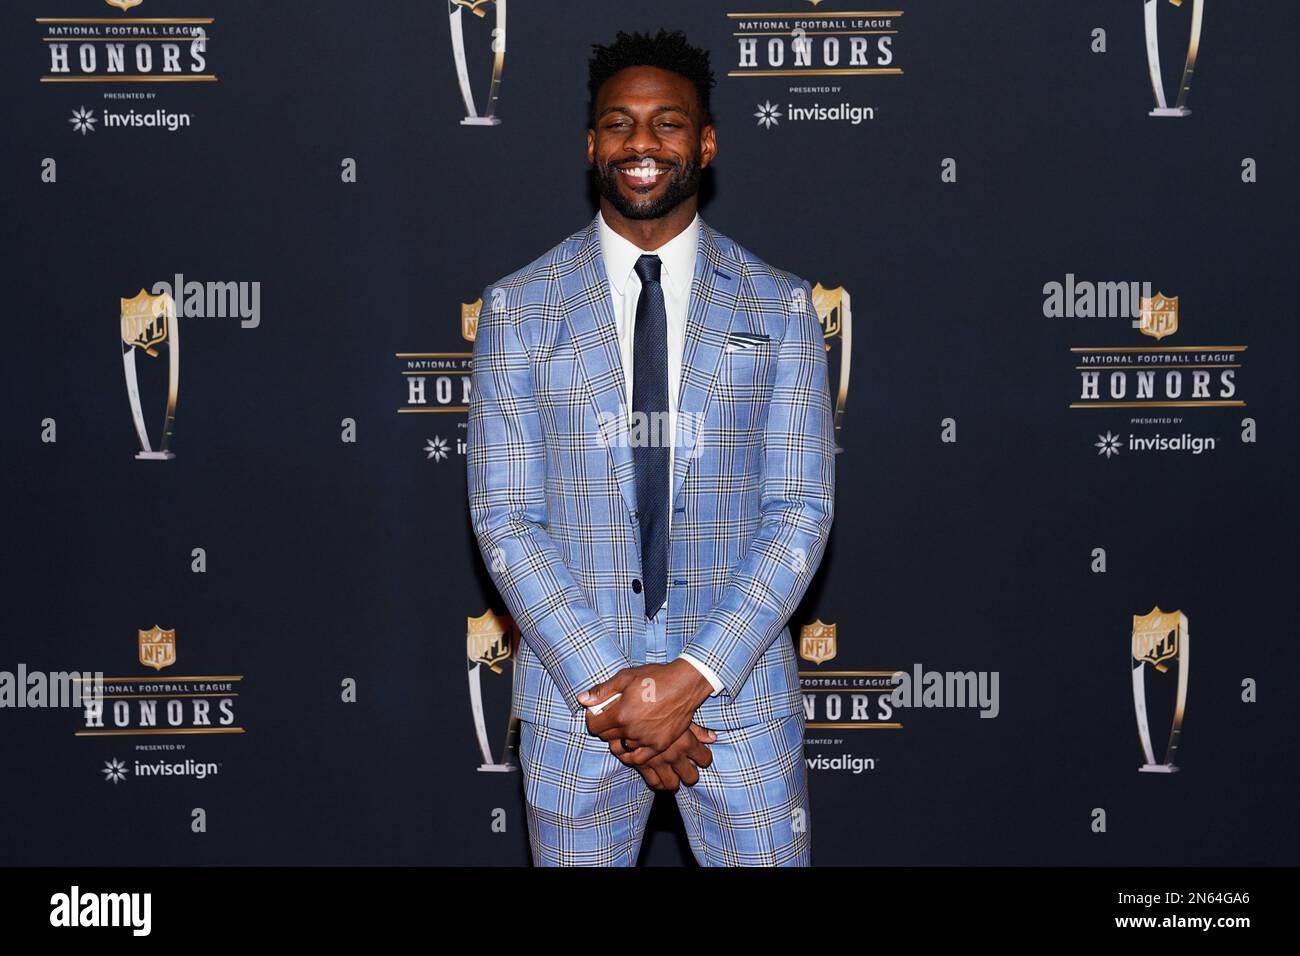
(1153, 57)
(1158, 638)
(490, 641)
(456, 12)
(149, 321)
(835, 313)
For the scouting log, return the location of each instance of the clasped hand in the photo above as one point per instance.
(650, 726)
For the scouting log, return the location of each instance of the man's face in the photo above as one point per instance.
(648, 147)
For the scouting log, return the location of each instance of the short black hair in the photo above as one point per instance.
(668, 51)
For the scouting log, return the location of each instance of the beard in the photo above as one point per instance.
(683, 182)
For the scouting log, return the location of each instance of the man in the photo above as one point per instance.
(652, 570)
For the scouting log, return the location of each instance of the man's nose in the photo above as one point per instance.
(642, 140)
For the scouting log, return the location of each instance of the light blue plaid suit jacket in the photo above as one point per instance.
(553, 499)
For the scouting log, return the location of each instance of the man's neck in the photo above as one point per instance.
(649, 234)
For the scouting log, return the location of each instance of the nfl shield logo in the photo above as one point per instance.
(817, 642)
(1158, 315)
(831, 306)
(1155, 637)
(490, 639)
(124, 4)
(157, 648)
(144, 320)
(469, 318)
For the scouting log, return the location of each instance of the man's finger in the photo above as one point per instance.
(667, 776)
(636, 757)
(642, 756)
(606, 688)
(701, 754)
(687, 772)
(708, 736)
(599, 708)
(605, 725)
(650, 777)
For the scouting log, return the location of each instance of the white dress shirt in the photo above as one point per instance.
(676, 270)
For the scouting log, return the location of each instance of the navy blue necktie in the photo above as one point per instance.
(650, 456)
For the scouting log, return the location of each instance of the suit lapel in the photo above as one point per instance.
(585, 302)
(584, 287)
(714, 292)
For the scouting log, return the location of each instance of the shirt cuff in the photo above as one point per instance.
(707, 671)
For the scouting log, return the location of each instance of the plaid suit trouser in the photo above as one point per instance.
(749, 807)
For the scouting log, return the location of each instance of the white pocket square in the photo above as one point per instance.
(745, 341)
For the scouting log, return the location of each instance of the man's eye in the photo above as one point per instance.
(619, 124)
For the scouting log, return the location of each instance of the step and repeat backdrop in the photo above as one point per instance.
(1053, 252)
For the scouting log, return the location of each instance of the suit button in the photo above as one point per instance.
(636, 585)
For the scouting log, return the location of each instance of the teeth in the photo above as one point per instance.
(642, 172)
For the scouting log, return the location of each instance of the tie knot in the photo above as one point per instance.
(647, 268)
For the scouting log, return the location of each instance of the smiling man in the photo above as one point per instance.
(652, 571)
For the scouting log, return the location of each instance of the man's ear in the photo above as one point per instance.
(708, 145)
(591, 146)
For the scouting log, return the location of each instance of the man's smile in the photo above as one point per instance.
(640, 175)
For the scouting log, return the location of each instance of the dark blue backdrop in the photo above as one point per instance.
(330, 560)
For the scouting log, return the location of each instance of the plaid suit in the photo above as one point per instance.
(553, 498)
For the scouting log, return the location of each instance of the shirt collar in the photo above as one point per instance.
(677, 256)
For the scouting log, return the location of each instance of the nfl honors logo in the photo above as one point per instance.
(157, 648)
(1158, 316)
(817, 642)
